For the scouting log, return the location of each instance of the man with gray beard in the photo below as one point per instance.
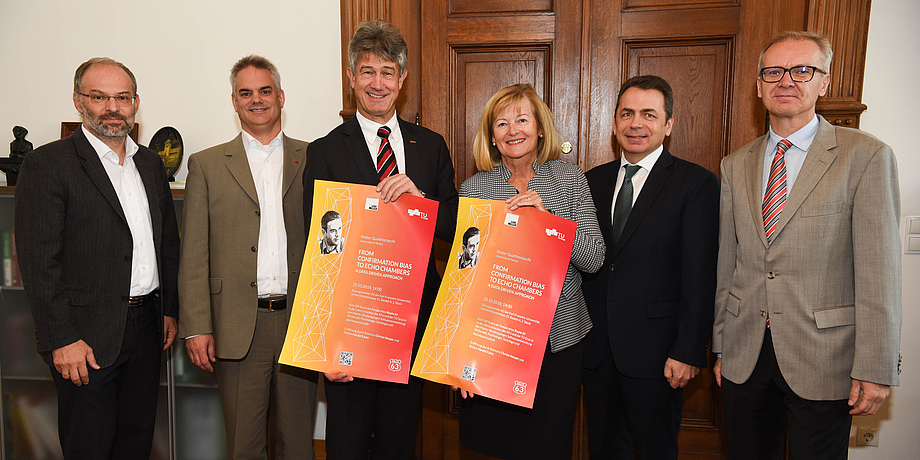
(98, 250)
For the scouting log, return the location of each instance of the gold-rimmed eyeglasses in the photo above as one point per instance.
(123, 99)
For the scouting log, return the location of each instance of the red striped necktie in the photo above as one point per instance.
(386, 159)
(775, 197)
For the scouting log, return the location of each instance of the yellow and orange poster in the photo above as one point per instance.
(491, 320)
(357, 301)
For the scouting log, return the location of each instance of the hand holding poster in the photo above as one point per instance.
(491, 320)
(357, 301)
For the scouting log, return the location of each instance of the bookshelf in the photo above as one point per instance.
(189, 416)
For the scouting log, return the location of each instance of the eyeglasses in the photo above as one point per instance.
(798, 74)
(122, 100)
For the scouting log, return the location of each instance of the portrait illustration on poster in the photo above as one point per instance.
(491, 320)
(357, 301)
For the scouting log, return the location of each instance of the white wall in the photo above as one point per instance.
(180, 51)
(893, 97)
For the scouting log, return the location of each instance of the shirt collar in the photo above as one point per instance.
(102, 149)
(249, 141)
(800, 139)
(369, 128)
(646, 163)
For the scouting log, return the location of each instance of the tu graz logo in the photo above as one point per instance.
(556, 233)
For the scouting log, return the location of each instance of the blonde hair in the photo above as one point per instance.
(486, 154)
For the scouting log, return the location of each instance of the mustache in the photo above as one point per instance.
(113, 115)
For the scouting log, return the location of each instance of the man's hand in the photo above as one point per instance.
(201, 351)
(717, 371)
(866, 397)
(170, 328)
(392, 187)
(678, 373)
(70, 361)
(339, 377)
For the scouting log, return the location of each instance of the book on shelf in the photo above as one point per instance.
(11, 276)
(7, 259)
(16, 278)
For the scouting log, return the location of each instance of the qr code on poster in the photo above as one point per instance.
(469, 373)
(345, 358)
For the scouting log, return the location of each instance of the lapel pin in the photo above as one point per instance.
(411, 141)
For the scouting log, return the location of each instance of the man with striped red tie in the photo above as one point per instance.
(376, 147)
(808, 303)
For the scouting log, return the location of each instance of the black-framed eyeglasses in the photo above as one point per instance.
(123, 100)
(798, 74)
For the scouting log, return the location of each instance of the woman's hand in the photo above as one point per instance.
(463, 393)
(528, 198)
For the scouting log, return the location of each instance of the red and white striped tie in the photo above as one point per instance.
(386, 160)
(775, 197)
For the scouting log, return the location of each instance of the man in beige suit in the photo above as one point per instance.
(808, 303)
(242, 247)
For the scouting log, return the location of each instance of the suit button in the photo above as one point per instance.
(258, 213)
(127, 258)
(771, 275)
(613, 267)
(125, 298)
(253, 284)
(253, 249)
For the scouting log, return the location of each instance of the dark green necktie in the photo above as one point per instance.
(624, 202)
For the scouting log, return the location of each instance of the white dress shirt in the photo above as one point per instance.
(266, 162)
(369, 129)
(645, 167)
(133, 198)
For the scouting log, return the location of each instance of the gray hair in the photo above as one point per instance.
(381, 39)
(258, 62)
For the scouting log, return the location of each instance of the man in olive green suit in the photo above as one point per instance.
(242, 248)
(808, 302)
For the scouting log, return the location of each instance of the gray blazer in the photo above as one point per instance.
(831, 279)
(220, 234)
(75, 246)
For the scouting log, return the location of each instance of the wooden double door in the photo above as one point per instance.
(577, 53)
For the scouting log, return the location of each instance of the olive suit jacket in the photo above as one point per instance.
(830, 282)
(220, 238)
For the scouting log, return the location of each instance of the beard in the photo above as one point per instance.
(112, 130)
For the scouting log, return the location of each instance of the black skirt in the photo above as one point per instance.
(507, 431)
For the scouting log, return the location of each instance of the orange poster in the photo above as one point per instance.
(357, 301)
(491, 320)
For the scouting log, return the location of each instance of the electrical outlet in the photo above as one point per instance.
(867, 436)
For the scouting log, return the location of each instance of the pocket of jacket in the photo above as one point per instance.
(78, 297)
(734, 304)
(215, 285)
(822, 209)
(835, 316)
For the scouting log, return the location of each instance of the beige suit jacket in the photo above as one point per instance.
(831, 279)
(220, 236)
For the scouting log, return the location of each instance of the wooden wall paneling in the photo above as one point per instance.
(604, 66)
(500, 6)
(698, 72)
(747, 118)
(480, 73)
(846, 24)
(403, 14)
